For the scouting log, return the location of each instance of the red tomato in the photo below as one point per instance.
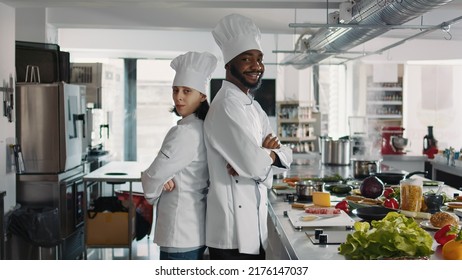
(391, 203)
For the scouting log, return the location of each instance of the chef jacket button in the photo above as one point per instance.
(237, 181)
(240, 206)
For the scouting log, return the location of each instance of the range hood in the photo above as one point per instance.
(328, 41)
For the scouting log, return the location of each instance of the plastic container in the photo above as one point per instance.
(411, 193)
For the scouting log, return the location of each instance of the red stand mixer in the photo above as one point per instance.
(393, 142)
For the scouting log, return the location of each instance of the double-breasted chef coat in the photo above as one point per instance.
(180, 219)
(234, 130)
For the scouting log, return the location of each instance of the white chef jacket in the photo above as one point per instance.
(180, 219)
(234, 130)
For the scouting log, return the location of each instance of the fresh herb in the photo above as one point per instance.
(395, 236)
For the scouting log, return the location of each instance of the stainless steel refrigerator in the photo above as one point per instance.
(50, 126)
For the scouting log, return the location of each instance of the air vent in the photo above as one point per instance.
(82, 74)
(86, 74)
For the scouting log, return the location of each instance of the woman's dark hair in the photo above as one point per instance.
(200, 113)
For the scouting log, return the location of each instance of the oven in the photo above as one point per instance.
(65, 192)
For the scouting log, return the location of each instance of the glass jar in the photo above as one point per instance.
(411, 193)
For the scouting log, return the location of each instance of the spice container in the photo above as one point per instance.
(411, 192)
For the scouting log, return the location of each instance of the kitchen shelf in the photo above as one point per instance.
(376, 102)
(385, 89)
(385, 117)
(384, 100)
(297, 125)
(297, 120)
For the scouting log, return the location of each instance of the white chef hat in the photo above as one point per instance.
(194, 70)
(236, 34)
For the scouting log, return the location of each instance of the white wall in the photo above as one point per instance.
(7, 129)
(31, 25)
(433, 99)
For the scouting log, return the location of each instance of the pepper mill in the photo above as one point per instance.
(429, 144)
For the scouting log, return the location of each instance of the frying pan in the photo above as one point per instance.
(372, 212)
(394, 178)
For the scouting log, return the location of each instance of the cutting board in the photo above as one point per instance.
(340, 220)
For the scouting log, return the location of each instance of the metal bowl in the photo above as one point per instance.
(398, 142)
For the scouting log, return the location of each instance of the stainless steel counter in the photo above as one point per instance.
(405, 162)
(294, 243)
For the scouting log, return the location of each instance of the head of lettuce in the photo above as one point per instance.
(395, 236)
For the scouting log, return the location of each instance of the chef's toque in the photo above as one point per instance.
(194, 70)
(236, 34)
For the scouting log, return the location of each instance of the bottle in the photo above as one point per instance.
(429, 144)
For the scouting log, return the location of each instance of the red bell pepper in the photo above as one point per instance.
(445, 234)
(343, 205)
(391, 203)
(388, 192)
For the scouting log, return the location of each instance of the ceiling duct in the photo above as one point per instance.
(377, 13)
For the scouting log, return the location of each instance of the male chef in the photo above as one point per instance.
(242, 149)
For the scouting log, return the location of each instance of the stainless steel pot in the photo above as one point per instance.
(335, 152)
(365, 168)
(305, 189)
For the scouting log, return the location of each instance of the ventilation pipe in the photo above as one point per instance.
(366, 12)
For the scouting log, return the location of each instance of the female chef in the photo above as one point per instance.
(178, 177)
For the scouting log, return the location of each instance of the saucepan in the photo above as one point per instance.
(304, 189)
(365, 168)
(391, 178)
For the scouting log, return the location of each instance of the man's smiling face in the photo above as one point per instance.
(246, 70)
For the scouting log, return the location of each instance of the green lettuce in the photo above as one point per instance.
(395, 236)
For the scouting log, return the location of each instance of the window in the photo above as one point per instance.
(154, 101)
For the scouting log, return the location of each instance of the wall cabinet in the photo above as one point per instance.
(297, 126)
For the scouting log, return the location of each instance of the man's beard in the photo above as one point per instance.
(241, 78)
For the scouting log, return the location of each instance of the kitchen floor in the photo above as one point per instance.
(144, 249)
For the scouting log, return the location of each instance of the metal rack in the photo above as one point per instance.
(114, 172)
